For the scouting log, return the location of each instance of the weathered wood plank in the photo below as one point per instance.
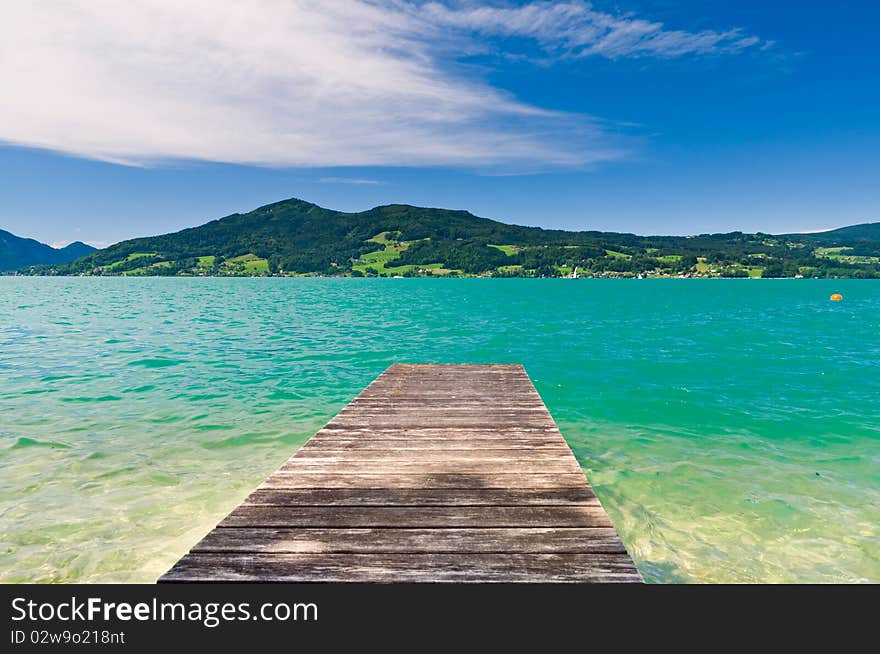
(420, 497)
(413, 433)
(432, 444)
(451, 425)
(437, 401)
(342, 467)
(405, 460)
(502, 480)
(385, 567)
(573, 540)
(498, 408)
(586, 514)
(475, 397)
(450, 418)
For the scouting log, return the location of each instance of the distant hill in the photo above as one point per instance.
(17, 252)
(76, 250)
(867, 232)
(294, 237)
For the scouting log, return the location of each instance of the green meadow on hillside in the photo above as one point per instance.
(294, 237)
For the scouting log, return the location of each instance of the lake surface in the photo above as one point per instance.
(731, 428)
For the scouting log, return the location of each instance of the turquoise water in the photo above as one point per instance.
(731, 427)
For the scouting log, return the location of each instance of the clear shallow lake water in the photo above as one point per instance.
(730, 427)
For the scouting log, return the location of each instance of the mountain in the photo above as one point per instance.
(75, 250)
(294, 237)
(17, 252)
(865, 233)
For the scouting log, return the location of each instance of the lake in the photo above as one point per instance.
(731, 428)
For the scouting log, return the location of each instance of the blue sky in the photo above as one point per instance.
(128, 119)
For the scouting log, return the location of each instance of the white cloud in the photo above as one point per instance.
(302, 82)
(577, 29)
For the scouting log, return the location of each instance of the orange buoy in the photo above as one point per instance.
(837, 297)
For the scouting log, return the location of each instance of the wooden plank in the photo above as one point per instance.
(424, 433)
(420, 497)
(433, 444)
(434, 473)
(455, 540)
(435, 401)
(439, 423)
(440, 420)
(428, 460)
(455, 480)
(430, 467)
(585, 514)
(401, 568)
(485, 468)
(497, 408)
(323, 455)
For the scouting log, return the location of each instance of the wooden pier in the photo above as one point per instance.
(434, 473)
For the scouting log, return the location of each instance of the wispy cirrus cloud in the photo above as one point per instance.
(577, 29)
(357, 181)
(305, 82)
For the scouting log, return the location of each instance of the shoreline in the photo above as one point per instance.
(348, 276)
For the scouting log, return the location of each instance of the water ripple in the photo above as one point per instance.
(729, 427)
